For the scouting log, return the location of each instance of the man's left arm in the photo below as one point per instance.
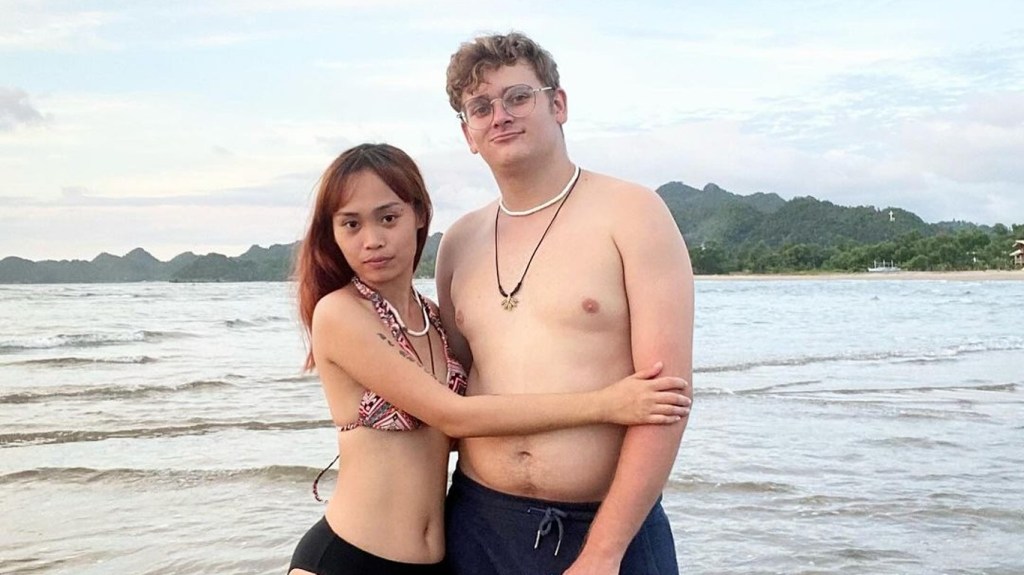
(659, 289)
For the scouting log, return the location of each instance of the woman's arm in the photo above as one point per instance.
(347, 335)
(642, 398)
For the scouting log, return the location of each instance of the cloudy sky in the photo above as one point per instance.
(203, 126)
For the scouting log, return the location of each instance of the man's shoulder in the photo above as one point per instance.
(635, 213)
(468, 224)
(622, 193)
(465, 231)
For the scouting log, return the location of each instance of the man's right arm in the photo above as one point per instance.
(448, 255)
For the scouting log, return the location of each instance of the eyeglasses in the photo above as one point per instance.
(518, 101)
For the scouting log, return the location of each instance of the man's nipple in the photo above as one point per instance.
(590, 305)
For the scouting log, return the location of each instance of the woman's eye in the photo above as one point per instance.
(389, 219)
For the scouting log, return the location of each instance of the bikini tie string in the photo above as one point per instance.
(316, 493)
(551, 516)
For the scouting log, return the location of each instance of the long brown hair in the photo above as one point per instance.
(320, 267)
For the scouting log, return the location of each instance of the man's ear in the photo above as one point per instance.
(560, 105)
(469, 138)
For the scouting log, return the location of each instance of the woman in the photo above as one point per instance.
(372, 337)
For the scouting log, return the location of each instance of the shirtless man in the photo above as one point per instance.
(570, 276)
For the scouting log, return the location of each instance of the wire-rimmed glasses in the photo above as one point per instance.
(518, 101)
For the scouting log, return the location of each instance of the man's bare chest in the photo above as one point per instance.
(575, 282)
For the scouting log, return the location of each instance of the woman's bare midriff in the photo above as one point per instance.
(389, 499)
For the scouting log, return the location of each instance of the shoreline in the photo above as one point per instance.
(981, 275)
(978, 275)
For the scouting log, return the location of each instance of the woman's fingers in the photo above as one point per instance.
(649, 372)
(663, 419)
(673, 398)
(671, 404)
(674, 410)
(668, 382)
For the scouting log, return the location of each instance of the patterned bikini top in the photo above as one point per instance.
(376, 412)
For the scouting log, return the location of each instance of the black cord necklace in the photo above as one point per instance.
(425, 331)
(509, 300)
(430, 350)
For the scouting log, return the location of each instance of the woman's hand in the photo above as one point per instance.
(644, 398)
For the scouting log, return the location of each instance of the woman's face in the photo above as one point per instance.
(376, 230)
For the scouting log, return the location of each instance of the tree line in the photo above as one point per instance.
(966, 249)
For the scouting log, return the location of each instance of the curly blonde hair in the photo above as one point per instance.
(486, 53)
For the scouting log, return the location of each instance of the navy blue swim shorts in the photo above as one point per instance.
(490, 532)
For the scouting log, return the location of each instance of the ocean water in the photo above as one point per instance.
(839, 427)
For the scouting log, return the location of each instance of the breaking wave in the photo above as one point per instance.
(202, 428)
(109, 392)
(76, 361)
(913, 356)
(86, 340)
(86, 475)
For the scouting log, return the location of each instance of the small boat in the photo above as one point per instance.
(885, 267)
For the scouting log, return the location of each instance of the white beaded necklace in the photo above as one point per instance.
(547, 204)
(401, 323)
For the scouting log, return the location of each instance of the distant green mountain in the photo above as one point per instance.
(256, 264)
(763, 233)
(715, 215)
(725, 232)
(427, 260)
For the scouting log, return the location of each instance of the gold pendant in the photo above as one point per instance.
(509, 303)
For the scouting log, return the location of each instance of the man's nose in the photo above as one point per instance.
(499, 114)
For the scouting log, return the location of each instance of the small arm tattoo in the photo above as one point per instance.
(401, 352)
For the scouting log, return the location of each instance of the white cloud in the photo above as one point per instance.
(122, 117)
(744, 163)
(226, 39)
(28, 26)
(416, 74)
(84, 232)
(153, 145)
(984, 144)
(16, 110)
(236, 7)
(457, 181)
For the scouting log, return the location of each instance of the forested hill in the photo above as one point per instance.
(726, 232)
(715, 215)
(762, 233)
(256, 264)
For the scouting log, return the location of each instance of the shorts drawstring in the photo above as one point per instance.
(551, 515)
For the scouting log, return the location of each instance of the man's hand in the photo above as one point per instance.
(589, 564)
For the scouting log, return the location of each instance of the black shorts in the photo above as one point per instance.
(321, 551)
